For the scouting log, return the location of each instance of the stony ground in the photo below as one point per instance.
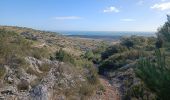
(111, 92)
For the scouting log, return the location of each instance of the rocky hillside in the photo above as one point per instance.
(40, 65)
(53, 40)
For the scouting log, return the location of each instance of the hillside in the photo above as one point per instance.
(139, 66)
(42, 65)
(52, 39)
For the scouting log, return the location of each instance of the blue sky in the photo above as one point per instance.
(85, 15)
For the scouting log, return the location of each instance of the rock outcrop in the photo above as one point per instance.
(60, 77)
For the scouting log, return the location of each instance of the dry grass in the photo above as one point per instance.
(2, 71)
(45, 67)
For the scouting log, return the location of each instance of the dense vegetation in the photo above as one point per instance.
(124, 53)
(150, 57)
(156, 73)
(81, 62)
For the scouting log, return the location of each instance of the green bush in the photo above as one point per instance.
(89, 55)
(164, 32)
(112, 50)
(127, 42)
(92, 76)
(96, 59)
(62, 55)
(156, 75)
(38, 52)
(119, 60)
(139, 92)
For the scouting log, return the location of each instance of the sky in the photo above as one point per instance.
(85, 15)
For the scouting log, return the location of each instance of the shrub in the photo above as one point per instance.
(156, 75)
(119, 60)
(23, 85)
(17, 61)
(113, 50)
(89, 55)
(109, 51)
(164, 32)
(62, 55)
(38, 53)
(159, 43)
(96, 59)
(32, 72)
(86, 90)
(92, 76)
(45, 67)
(35, 82)
(102, 88)
(127, 42)
(139, 92)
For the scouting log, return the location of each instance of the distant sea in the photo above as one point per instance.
(105, 35)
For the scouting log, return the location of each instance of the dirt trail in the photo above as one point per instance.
(111, 92)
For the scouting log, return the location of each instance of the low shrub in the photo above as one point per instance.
(86, 90)
(39, 52)
(32, 72)
(62, 55)
(92, 76)
(89, 55)
(23, 85)
(119, 60)
(101, 88)
(127, 42)
(45, 67)
(139, 91)
(35, 82)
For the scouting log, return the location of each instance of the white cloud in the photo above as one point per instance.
(111, 9)
(68, 17)
(161, 6)
(128, 20)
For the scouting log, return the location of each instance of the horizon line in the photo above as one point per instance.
(52, 30)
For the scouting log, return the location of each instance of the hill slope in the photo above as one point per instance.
(40, 65)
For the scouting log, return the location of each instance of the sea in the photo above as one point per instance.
(105, 35)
